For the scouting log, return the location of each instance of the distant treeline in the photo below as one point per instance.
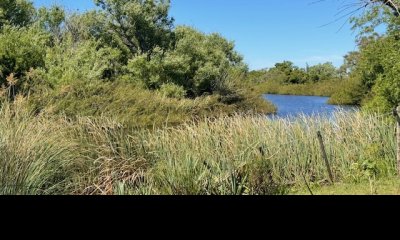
(369, 77)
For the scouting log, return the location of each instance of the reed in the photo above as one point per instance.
(241, 154)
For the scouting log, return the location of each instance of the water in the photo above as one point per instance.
(292, 106)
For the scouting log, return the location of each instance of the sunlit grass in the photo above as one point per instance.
(386, 186)
(242, 154)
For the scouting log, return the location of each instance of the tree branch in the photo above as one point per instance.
(395, 8)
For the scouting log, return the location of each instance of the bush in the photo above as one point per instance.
(16, 12)
(199, 63)
(20, 50)
(172, 90)
(350, 92)
(68, 61)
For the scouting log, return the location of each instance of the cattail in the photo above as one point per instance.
(12, 80)
(30, 73)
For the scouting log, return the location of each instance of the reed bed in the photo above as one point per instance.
(230, 155)
(256, 155)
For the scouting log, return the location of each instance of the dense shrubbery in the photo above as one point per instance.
(16, 12)
(20, 50)
(125, 60)
(199, 63)
(375, 68)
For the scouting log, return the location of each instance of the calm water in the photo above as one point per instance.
(292, 106)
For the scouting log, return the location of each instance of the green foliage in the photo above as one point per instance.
(18, 13)
(379, 70)
(20, 50)
(349, 92)
(88, 25)
(287, 73)
(51, 20)
(376, 15)
(68, 62)
(35, 157)
(322, 72)
(138, 26)
(124, 60)
(386, 186)
(285, 78)
(200, 63)
(136, 106)
(236, 155)
(350, 63)
(172, 90)
(323, 88)
(376, 65)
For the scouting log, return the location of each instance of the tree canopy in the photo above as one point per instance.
(16, 12)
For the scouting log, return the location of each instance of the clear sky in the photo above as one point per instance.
(265, 31)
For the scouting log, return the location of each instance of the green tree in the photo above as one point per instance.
(51, 20)
(287, 73)
(322, 72)
(88, 25)
(68, 62)
(20, 50)
(138, 26)
(200, 63)
(350, 63)
(379, 70)
(16, 12)
(377, 64)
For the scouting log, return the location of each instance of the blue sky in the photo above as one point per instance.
(265, 31)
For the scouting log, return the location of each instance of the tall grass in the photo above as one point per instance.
(228, 155)
(255, 155)
(34, 156)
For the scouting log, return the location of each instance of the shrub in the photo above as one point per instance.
(20, 50)
(172, 90)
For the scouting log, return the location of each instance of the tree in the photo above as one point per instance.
(321, 72)
(51, 20)
(88, 25)
(16, 12)
(375, 68)
(287, 73)
(379, 70)
(68, 62)
(20, 50)
(138, 26)
(350, 63)
(377, 12)
(394, 5)
(199, 63)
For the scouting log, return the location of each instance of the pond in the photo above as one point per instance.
(293, 105)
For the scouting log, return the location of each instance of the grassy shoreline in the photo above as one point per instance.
(241, 154)
(385, 186)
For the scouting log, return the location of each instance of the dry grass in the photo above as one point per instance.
(228, 155)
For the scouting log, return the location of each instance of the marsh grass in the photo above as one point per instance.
(34, 156)
(255, 155)
(242, 154)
